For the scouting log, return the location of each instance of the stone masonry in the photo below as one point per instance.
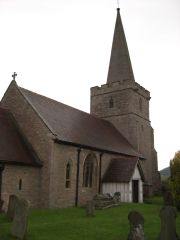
(45, 187)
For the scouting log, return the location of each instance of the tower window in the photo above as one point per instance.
(20, 185)
(68, 175)
(140, 104)
(142, 128)
(111, 103)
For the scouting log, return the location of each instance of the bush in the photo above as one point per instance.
(175, 179)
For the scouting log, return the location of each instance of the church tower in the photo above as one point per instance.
(125, 103)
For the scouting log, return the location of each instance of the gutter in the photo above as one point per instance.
(57, 140)
(100, 166)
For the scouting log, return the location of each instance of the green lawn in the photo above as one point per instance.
(72, 224)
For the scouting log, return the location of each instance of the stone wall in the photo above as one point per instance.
(29, 189)
(130, 115)
(51, 179)
(60, 196)
(36, 133)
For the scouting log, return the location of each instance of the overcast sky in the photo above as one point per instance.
(61, 48)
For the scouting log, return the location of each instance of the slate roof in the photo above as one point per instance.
(121, 170)
(13, 148)
(73, 126)
(120, 67)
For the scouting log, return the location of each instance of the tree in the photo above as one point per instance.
(175, 178)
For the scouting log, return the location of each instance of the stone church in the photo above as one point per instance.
(57, 156)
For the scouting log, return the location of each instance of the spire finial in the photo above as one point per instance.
(14, 76)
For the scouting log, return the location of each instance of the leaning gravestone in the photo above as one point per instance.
(136, 222)
(11, 206)
(20, 221)
(90, 209)
(168, 216)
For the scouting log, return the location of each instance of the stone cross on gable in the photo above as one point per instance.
(14, 76)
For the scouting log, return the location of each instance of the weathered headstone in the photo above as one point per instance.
(11, 206)
(168, 216)
(20, 221)
(167, 196)
(136, 222)
(90, 209)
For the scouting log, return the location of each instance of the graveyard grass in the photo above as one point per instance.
(72, 223)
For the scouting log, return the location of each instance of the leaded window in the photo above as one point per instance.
(88, 173)
(68, 175)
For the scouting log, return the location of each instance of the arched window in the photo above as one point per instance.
(88, 170)
(68, 175)
(111, 103)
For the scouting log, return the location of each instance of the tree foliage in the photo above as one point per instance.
(175, 178)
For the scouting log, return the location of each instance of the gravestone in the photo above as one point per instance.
(168, 216)
(136, 222)
(167, 196)
(11, 206)
(20, 221)
(90, 209)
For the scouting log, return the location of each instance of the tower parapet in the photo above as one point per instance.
(118, 86)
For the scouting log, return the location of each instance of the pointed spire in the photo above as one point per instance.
(120, 64)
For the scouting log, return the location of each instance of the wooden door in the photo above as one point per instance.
(135, 190)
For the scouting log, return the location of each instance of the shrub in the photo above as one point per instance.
(175, 179)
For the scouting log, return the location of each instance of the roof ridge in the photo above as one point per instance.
(51, 99)
(34, 108)
(29, 95)
(12, 82)
(41, 107)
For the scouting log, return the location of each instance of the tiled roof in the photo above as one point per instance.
(77, 127)
(121, 170)
(13, 148)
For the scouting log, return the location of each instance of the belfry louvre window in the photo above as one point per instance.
(20, 185)
(88, 173)
(140, 104)
(68, 175)
(111, 103)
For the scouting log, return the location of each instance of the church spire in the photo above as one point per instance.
(120, 64)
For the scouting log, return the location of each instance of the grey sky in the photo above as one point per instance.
(61, 48)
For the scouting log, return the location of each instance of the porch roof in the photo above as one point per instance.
(121, 170)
